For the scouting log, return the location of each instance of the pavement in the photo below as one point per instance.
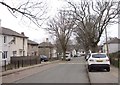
(104, 77)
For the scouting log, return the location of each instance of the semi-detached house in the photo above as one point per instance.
(12, 44)
(32, 48)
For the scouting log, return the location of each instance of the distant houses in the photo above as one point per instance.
(46, 48)
(113, 45)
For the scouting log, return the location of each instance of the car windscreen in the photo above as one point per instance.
(99, 56)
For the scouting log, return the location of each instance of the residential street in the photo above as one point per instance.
(73, 71)
(59, 42)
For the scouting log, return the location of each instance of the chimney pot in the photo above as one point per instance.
(47, 40)
(22, 33)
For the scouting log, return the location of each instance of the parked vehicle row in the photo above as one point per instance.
(98, 61)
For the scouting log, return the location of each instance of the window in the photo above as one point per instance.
(14, 53)
(5, 39)
(99, 56)
(4, 54)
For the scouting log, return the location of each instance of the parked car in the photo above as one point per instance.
(98, 61)
(43, 58)
(67, 56)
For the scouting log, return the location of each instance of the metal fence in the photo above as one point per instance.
(20, 61)
(115, 62)
(115, 59)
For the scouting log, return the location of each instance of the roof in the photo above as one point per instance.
(7, 31)
(45, 44)
(32, 42)
(114, 40)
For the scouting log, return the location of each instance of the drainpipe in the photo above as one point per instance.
(23, 44)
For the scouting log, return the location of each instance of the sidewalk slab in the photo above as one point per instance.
(104, 77)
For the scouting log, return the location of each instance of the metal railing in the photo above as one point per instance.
(17, 62)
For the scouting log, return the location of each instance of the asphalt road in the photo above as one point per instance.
(73, 71)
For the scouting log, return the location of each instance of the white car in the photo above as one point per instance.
(67, 56)
(98, 61)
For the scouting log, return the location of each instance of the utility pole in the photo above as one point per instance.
(106, 41)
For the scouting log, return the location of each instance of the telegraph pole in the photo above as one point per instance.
(106, 41)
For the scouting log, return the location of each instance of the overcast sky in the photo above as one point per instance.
(35, 33)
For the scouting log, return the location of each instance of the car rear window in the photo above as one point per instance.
(99, 56)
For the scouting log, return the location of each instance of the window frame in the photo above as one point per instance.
(5, 39)
(4, 54)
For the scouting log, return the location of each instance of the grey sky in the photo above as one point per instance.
(33, 32)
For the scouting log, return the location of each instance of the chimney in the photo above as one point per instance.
(47, 40)
(22, 33)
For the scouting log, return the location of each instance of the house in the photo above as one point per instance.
(113, 45)
(32, 48)
(45, 48)
(54, 52)
(12, 44)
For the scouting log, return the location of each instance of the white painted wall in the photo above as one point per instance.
(0, 50)
(54, 53)
(113, 47)
(10, 47)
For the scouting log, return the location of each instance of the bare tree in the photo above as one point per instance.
(62, 27)
(92, 19)
(33, 10)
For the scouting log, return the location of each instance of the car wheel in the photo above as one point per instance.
(108, 69)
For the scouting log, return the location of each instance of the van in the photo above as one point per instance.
(67, 56)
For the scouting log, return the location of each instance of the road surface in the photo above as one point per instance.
(65, 72)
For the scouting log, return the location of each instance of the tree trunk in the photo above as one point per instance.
(64, 53)
(94, 48)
